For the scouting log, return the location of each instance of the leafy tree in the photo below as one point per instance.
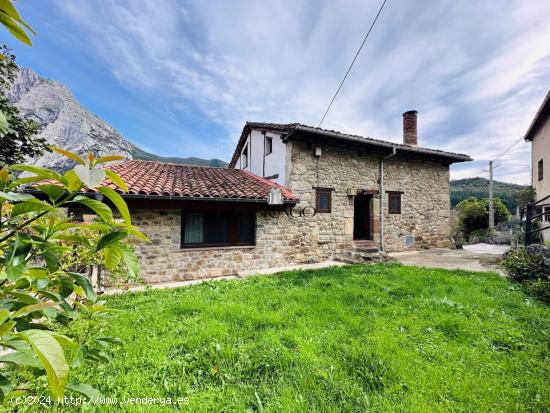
(525, 197)
(17, 135)
(8, 68)
(18, 138)
(473, 214)
(462, 189)
(43, 292)
(11, 20)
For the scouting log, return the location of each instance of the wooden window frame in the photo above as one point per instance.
(318, 192)
(270, 145)
(540, 169)
(244, 154)
(232, 236)
(394, 195)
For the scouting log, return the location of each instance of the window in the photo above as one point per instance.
(547, 214)
(244, 157)
(323, 199)
(538, 211)
(541, 169)
(268, 145)
(218, 228)
(394, 202)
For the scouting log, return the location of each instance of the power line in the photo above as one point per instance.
(509, 149)
(352, 63)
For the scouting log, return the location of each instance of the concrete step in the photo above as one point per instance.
(345, 260)
(356, 257)
(366, 249)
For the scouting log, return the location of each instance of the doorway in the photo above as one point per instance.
(362, 220)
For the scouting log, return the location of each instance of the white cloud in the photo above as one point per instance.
(476, 73)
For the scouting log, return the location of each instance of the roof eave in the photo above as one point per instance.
(423, 152)
(543, 110)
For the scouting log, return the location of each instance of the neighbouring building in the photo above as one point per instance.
(539, 136)
(292, 194)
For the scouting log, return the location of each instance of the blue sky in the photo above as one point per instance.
(180, 78)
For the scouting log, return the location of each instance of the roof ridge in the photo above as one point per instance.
(458, 157)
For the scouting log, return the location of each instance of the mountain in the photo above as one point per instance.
(65, 123)
(479, 188)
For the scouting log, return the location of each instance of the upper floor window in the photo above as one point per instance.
(541, 169)
(323, 199)
(394, 202)
(268, 145)
(244, 157)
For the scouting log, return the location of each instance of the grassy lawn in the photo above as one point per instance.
(358, 338)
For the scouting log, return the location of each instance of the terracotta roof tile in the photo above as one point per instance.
(165, 179)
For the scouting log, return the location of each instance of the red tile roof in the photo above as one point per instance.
(189, 181)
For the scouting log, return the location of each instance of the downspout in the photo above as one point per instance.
(383, 197)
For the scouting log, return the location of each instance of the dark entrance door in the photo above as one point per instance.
(361, 217)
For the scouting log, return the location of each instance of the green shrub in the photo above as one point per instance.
(51, 319)
(540, 288)
(473, 214)
(522, 265)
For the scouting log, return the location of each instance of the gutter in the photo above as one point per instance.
(383, 196)
(178, 198)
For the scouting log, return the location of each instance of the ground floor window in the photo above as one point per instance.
(538, 211)
(217, 228)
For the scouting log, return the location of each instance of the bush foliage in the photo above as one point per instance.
(540, 288)
(473, 214)
(523, 265)
(528, 268)
(43, 289)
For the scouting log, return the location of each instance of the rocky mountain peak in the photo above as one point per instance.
(65, 123)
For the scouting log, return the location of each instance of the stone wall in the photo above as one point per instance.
(425, 205)
(280, 240)
(283, 239)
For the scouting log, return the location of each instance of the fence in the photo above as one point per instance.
(533, 218)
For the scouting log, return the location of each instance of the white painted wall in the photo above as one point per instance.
(265, 165)
(239, 164)
(540, 149)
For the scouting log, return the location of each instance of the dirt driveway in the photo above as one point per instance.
(450, 259)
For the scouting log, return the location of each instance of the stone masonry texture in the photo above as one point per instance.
(283, 239)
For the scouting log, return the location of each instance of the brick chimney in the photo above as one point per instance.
(410, 136)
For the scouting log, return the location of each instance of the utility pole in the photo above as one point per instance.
(491, 204)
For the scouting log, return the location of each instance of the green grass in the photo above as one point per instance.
(354, 339)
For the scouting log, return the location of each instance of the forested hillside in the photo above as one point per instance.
(479, 188)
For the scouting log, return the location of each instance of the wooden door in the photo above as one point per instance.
(361, 217)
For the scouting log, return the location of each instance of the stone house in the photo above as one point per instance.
(539, 136)
(291, 194)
